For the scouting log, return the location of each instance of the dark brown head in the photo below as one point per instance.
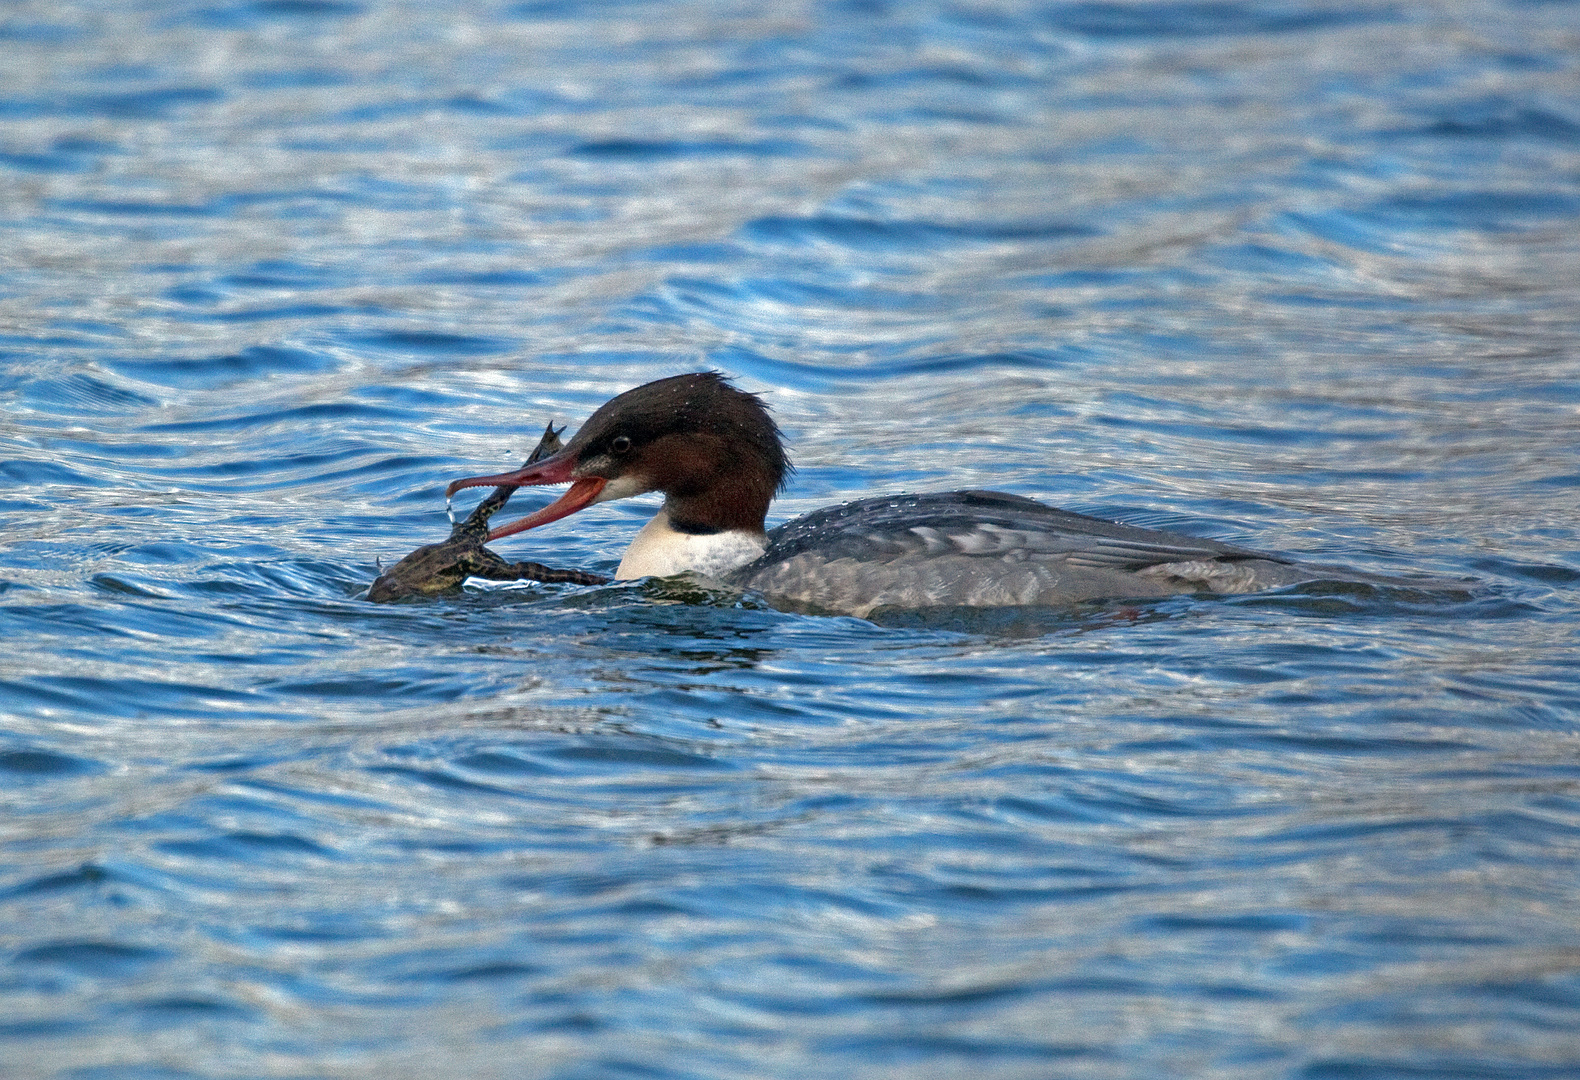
(711, 449)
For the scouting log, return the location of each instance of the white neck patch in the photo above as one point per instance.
(660, 551)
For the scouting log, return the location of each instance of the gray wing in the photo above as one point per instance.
(987, 549)
(985, 523)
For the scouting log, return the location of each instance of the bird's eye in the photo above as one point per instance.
(621, 444)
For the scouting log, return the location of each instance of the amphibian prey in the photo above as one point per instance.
(442, 567)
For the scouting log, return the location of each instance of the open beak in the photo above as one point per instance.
(552, 470)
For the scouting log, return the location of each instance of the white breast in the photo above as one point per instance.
(660, 551)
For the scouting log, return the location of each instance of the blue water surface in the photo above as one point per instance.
(1303, 276)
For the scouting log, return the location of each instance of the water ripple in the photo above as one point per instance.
(1298, 276)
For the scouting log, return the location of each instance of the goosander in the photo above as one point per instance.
(718, 457)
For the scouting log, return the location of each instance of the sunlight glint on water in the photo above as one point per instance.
(1296, 277)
